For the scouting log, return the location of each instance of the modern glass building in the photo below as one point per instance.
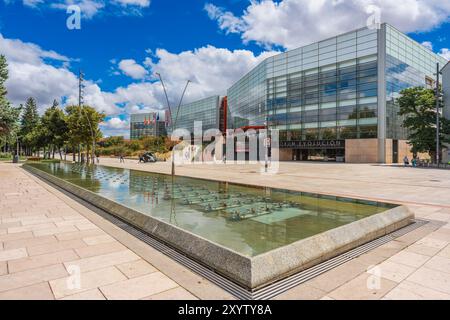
(446, 89)
(206, 110)
(335, 99)
(147, 125)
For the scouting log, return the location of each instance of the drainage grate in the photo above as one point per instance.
(236, 290)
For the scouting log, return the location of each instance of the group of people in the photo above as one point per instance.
(414, 161)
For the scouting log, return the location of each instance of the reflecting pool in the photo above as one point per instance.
(249, 220)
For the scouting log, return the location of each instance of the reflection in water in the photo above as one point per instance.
(249, 220)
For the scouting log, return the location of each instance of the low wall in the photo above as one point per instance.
(361, 151)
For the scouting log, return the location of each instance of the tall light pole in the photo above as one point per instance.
(438, 114)
(267, 141)
(80, 103)
(171, 117)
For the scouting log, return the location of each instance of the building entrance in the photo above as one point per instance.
(322, 150)
(324, 155)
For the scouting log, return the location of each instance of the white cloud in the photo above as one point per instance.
(90, 8)
(16, 50)
(115, 126)
(212, 70)
(140, 3)
(428, 44)
(227, 20)
(132, 69)
(45, 75)
(115, 123)
(445, 52)
(293, 23)
(32, 3)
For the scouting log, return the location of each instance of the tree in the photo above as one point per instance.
(55, 122)
(83, 126)
(29, 122)
(8, 115)
(418, 107)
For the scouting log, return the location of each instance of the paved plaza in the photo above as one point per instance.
(53, 247)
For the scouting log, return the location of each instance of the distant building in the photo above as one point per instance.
(147, 125)
(209, 111)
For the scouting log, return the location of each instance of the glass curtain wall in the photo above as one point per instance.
(408, 64)
(247, 99)
(324, 91)
(328, 90)
(205, 110)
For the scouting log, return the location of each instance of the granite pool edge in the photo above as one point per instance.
(303, 254)
(249, 272)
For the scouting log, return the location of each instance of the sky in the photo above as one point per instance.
(121, 44)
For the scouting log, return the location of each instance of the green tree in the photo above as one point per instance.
(83, 126)
(55, 122)
(9, 116)
(418, 107)
(113, 141)
(28, 124)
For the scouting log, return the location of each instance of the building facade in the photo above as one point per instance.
(335, 100)
(446, 89)
(206, 111)
(147, 125)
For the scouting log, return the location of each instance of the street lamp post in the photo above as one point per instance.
(266, 165)
(438, 113)
(16, 158)
(80, 102)
(173, 123)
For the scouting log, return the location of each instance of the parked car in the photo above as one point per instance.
(147, 157)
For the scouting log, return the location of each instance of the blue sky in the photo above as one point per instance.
(122, 43)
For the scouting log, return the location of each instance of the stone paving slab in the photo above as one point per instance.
(412, 291)
(359, 289)
(138, 288)
(46, 246)
(93, 294)
(136, 269)
(40, 291)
